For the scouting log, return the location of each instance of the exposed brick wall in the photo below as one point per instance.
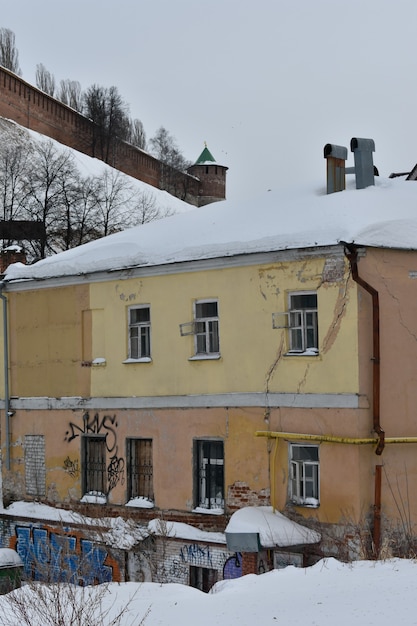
(249, 563)
(9, 256)
(241, 495)
(34, 109)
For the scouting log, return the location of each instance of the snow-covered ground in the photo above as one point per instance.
(329, 593)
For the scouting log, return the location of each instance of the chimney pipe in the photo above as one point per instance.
(364, 164)
(335, 157)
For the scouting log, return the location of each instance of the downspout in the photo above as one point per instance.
(6, 375)
(351, 253)
(352, 256)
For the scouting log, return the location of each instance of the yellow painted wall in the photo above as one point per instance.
(48, 337)
(252, 352)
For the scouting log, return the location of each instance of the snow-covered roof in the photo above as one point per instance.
(384, 215)
(9, 558)
(274, 528)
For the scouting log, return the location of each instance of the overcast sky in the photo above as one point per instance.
(267, 84)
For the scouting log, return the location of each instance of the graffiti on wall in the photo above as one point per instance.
(72, 467)
(50, 556)
(196, 555)
(105, 426)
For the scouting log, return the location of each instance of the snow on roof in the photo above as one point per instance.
(384, 215)
(9, 558)
(274, 528)
(184, 531)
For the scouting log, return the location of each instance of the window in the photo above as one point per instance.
(140, 469)
(205, 329)
(202, 578)
(210, 474)
(35, 468)
(304, 475)
(139, 333)
(301, 322)
(94, 465)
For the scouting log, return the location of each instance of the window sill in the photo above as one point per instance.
(145, 359)
(140, 503)
(312, 352)
(201, 509)
(94, 497)
(314, 504)
(205, 357)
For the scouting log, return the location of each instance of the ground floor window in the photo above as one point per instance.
(210, 474)
(140, 469)
(35, 468)
(202, 578)
(94, 464)
(304, 475)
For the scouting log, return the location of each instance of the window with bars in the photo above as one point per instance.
(140, 469)
(139, 333)
(205, 328)
(94, 464)
(210, 474)
(202, 578)
(304, 475)
(301, 322)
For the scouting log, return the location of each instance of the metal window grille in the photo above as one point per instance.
(140, 470)
(139, 332)
(94, 466)
(210, 463)
(202, 578)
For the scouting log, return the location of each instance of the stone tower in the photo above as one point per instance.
(212, 177)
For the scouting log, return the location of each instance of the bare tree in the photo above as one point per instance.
(51, 170)
(145, 209)
(14, 163)
(113, 202)
(70, 93)
(174, 164)
(137, 136)
(110, 114)
(9, 56)
(45, 81)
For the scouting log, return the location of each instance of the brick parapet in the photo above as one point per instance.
(32, 108)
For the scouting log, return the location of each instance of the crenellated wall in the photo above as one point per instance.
(32, 108)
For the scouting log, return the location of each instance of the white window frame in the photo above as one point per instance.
(143, 330)
(304, 476)
(205, 330)
(300, 322)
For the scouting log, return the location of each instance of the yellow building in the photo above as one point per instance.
(232, 356)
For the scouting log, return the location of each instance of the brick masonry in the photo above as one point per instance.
(32, 108)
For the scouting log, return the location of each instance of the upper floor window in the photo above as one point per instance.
(139, 332)
(304, 475)
(301, 322)
(205, 328)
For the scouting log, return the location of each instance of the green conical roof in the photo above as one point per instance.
(205, 156)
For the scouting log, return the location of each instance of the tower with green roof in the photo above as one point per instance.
(211, 176)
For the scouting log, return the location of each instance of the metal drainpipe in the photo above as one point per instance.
(351, 253)
(6, 374)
